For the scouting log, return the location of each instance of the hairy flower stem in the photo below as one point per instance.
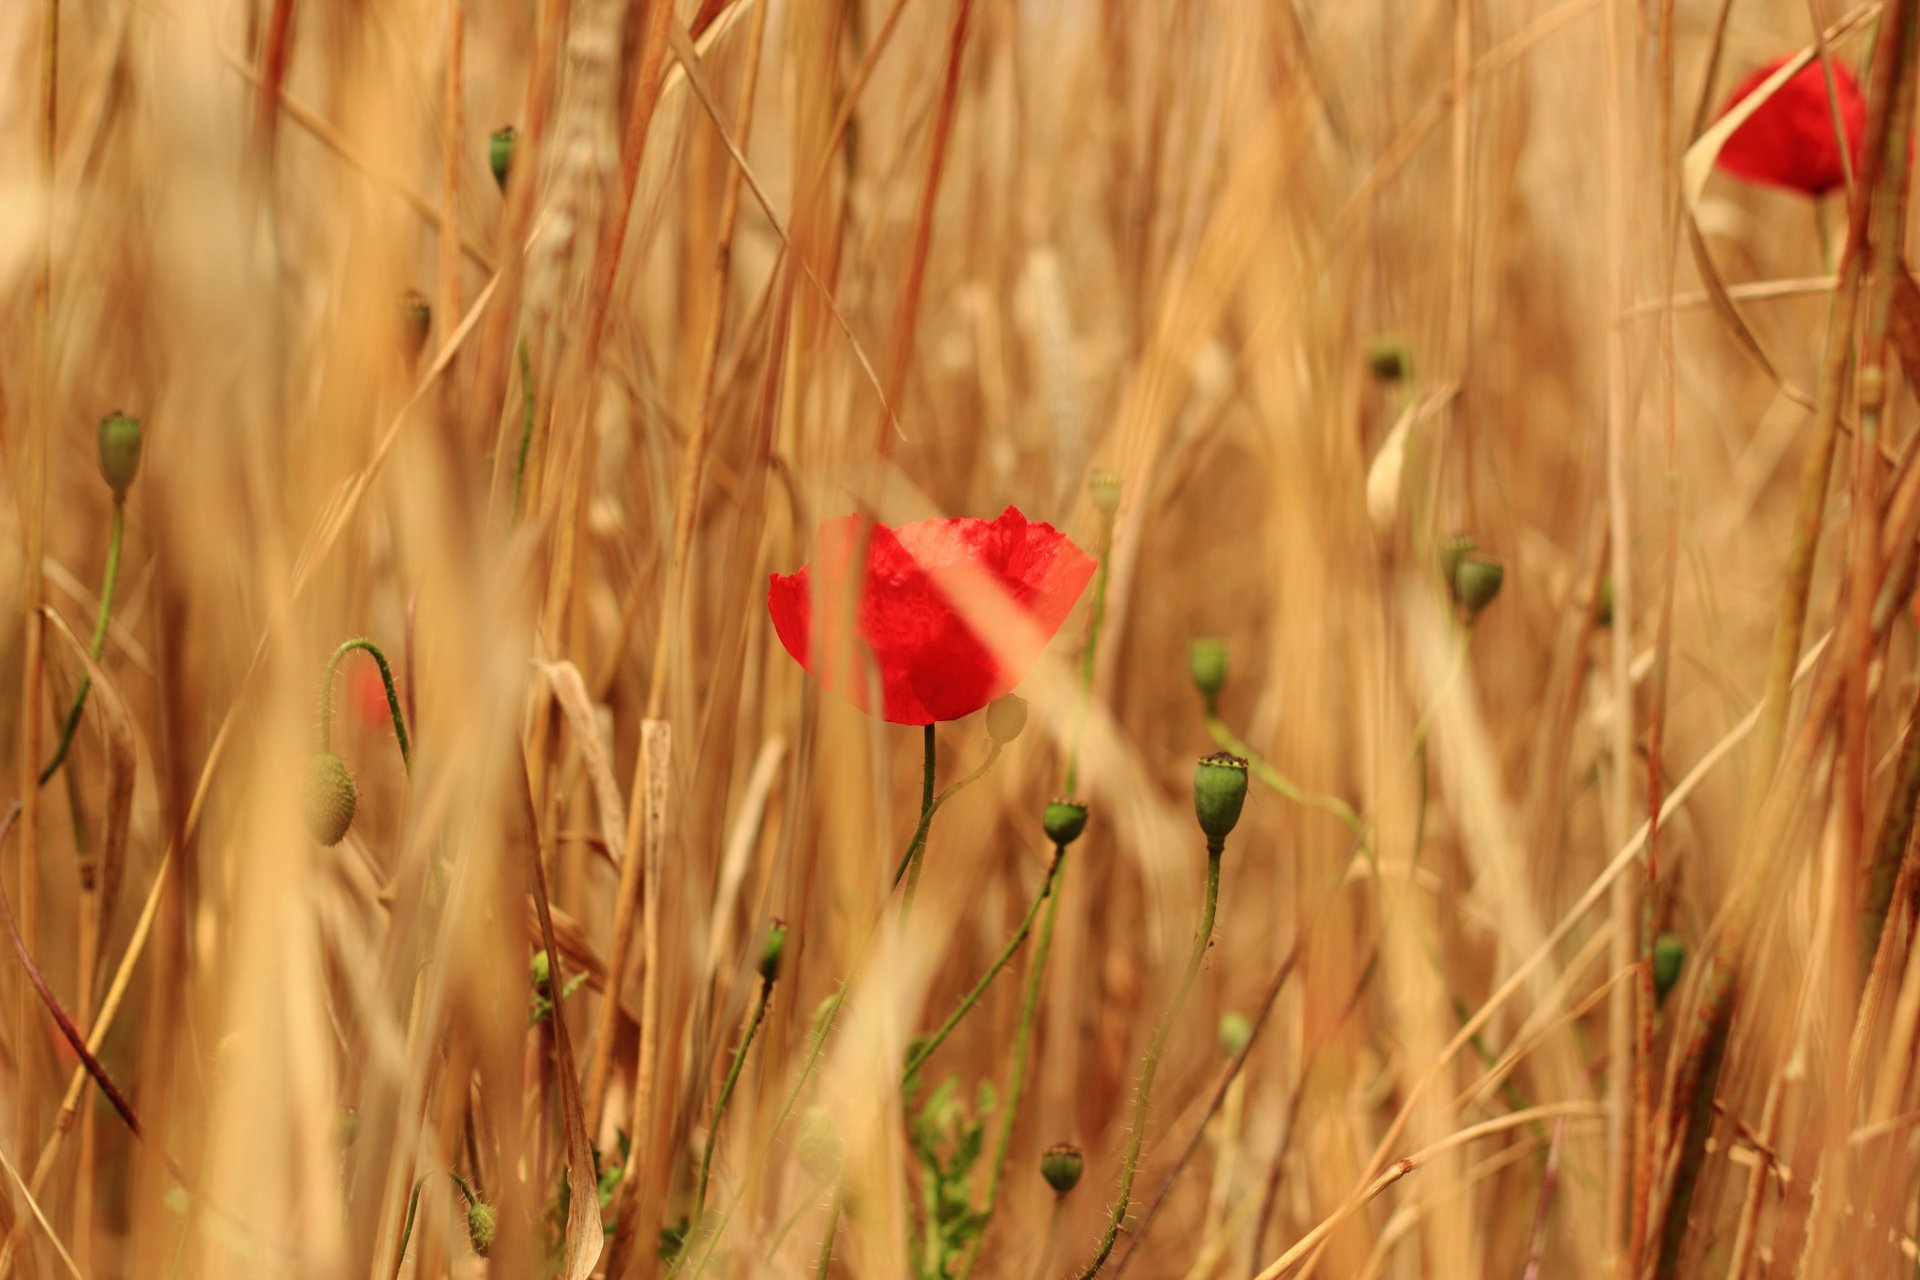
(1151, 1064)
(1017, 1078)
(386, 678)
(754, 1019)
(99, 644)
(909, 868)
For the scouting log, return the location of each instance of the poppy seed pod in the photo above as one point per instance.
(1104, 488)
(119, 451)
(1389, 360)
(770, 952)
(500, 153)
(1669, 954)
(1476, 581)
(1219, 792)
(482, 1220)
(416, 321)
(1006, 717)
(1207, 662)
(1453, 549)
(329, 798)
(1061, 1165)
(1064, 820)
(1235, 1030)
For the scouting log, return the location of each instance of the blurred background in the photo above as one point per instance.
(1324, 285)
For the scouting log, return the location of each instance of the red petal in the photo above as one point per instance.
(1789, 141)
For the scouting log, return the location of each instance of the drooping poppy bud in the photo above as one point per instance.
(329, 798)
(1207, 663)
(1219, 793)
(482, 1221)
(1064, 820)
(1789, 139)
(1006, 717)
(500, 153)
(1061, 1165)
(771, 950)
(119, 451)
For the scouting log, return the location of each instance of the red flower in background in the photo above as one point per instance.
(931, 664)
(1788, 141)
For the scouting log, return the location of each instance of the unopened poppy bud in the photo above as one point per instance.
(500, 153)
(329, 798)
(1006, 717)
(1476, 581)
(1207, 662)
(416, 321)
(1669, 954)
(1389, 360)
(119, 451)
(1061, 1165)
(1064, 821)
(1219, 792)
(1104, 488)
(770, 951)
(1235, 1030)
(482, 1220)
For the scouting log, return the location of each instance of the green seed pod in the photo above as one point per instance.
(770, 951)
(1669, 954)
(1219, 792)
(416, 322)
(1064, 821)
(1476, 581)
(1235, 1030)
(329, 798)
(1061, 1165)
(1006, 717)
(1389, 360)
(1207, 663)
(1453, 549)
(1104, 488)
(500, 153)
(119, 451)
(482, 1220)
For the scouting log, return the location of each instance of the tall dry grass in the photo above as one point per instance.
(759, 264)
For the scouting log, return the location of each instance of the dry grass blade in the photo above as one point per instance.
(570, 690)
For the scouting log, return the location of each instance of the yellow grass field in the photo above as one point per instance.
(1551, 493)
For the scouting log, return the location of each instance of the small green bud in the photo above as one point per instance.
(329, 798)
(770, 951)
(1061, 1165)
(1064, 821)
(1104, 488)
(1669, 954)
(500, 153)
(1476, 581)
(540, 970)
(1219, 792)
(1235, 1030)
(416, 322)
(1006, 717)
(1207, 662)
(482, 1220)
(1389, 360)
(119, 451)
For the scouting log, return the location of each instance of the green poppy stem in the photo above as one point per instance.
(933, 1042)
(1152, 1064)
(909, 868)
(754, 1019)
(1017, 1079)
(98, 645)
(386, 678)
(526, 424)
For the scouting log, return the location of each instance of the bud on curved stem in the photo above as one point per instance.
(386, 679)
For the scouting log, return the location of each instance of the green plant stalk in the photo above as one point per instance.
(1097, 612)
(386, 678)
(754, 1019)
(98, 645)
(1152, 1064)
(406, 1231)
(526, 424)
(933, 1042)
(1017, 1078)
(825, 1265)
(909, 868)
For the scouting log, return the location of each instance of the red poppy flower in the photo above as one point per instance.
(1788, 141)
(932, 665)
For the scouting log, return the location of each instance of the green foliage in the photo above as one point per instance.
(947, 1140)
